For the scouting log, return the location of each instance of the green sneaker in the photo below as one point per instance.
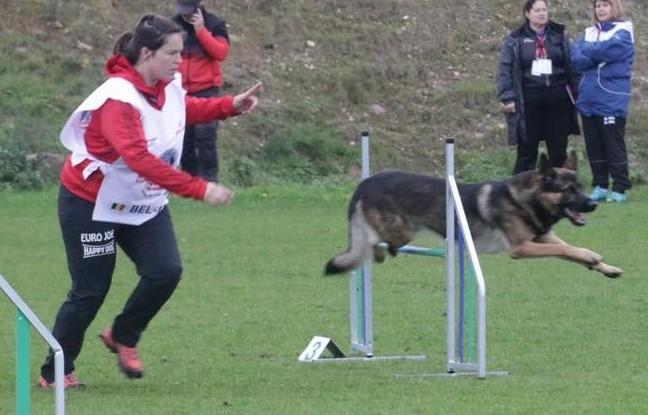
(616, 197)
(598, 194)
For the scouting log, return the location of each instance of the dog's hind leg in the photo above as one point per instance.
(393, 230)
(397, 241)
(361, 240)
(378, 254)
(393, 249)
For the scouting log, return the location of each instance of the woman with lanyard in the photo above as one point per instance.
(604, 55)
(534, 85)
(125, 142)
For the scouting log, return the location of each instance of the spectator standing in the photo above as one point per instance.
(205, 49)
(534, 84)
(604, 55)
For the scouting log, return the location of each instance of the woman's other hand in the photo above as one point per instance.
(509, 108)
(217, 194)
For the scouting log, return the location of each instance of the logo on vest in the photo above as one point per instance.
(118, 207)
(84, 119)
(170, 156)
(150, 189)
(98, 243)
(145, 209)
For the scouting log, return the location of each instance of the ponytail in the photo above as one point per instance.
(151, 33)
(124, 46)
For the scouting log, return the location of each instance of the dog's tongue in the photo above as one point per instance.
(576, 217)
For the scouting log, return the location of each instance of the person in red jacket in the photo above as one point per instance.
(125, 142)
(205, 49)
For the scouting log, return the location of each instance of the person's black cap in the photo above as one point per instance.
(186, 7)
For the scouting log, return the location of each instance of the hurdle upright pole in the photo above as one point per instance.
(364, 142)
(366, 267)
(461, 296)
(450, 259)
(360, 299)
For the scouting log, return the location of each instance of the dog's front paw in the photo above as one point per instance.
(608, 270)
(589, 257)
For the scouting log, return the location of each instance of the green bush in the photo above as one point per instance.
(243, 171)
(306, 152)
(477, 166)
(17, 171)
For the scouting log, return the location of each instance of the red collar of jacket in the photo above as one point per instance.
(119, 66)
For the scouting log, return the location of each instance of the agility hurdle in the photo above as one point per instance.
(459, 331)
(454, 347)
(459, 238)
(360, 291)
(24, 318)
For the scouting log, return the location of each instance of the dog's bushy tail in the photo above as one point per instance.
(360, 246)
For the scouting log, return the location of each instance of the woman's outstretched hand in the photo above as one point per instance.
(245, 102)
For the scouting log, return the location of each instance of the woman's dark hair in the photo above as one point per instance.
(150, 32)
(528, 5)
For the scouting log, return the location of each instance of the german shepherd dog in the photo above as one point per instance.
(514, 215)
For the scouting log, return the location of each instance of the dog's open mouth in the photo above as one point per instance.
(575, 217)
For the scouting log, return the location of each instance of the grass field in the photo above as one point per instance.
(253, 295)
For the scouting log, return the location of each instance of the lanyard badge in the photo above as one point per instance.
(541, 65)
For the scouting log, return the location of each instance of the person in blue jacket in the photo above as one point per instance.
(604, 56)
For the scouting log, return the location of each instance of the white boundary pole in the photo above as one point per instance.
(59, 387)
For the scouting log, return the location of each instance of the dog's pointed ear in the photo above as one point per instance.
(571, 162)
(544, 167)
(547, 173)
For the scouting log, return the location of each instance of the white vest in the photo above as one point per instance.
(593, 34)
(125, 196)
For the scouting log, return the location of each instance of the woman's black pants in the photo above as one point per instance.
(606, 151)
(91, 255)
(547, 118)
